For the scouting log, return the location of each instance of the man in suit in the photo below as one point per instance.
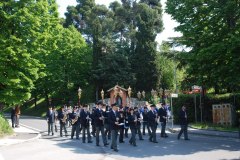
(152, 122)
(137, 113)
(84, 119)
(113, 118)
(13, 117)
(62, 116)
(50, 115)
(75, 123)
(183, 123)
(162, 113)
(145, 120)
(99, 123)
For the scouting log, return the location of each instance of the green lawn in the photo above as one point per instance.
(213, 127)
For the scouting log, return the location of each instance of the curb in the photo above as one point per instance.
(205, 134)
(19, 141)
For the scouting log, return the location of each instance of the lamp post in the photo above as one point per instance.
(139, 95)
(102, 95)
(79, 95)
(129, 94)
(143, 94)
(153, 93)
(161, 94)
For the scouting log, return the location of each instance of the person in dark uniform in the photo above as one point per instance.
(126, 126)
(107, 131)
(75, 123)
(132, 118)
(162, 113)
(121, 127)
(93, 122)
(113, 123)
(99, 123)
(137, 113)
(183, 123)
(13, 117)
(63, 118)
(145, 120)
(50, 116)
(152, 122)
(85, 122)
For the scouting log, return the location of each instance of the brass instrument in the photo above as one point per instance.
(75, 120)
(64, 119)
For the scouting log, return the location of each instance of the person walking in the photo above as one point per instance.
(183, 123)
(50, 120)
(113, 118)
(152, 122)
(85, 123)
(162, 113)
(62, 116)
(13, 117)
(99, 123)
(132, 118)
(17, 115)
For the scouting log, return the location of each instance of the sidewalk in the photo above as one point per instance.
(21, 134)
(214, 133)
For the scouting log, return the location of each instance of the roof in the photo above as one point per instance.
(117, 87)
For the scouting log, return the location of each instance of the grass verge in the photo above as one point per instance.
(213, 127)
(5, 128)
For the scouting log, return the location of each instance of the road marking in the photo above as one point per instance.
(35, 129)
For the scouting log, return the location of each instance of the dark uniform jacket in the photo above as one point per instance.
(83, 118)
(161, 113)
(151, 118)
(112, 119)
(73, 116)
(97, 114)
(50, 116)
(138, 116)
(131, 119)
(182, 117)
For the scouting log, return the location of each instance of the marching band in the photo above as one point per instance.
(109, 121)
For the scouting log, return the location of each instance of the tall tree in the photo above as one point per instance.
(149, 23)
(211, 30)
(24, 27)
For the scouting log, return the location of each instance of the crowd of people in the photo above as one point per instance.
(113, 123)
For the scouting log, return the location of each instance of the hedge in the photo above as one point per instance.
(207, 100)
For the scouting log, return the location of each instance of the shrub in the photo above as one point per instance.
(5, 128)
(208, 100)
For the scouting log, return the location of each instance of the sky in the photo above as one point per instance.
(169, 24)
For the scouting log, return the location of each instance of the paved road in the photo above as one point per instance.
(48, 147)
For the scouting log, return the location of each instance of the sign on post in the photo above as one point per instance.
(174, 95)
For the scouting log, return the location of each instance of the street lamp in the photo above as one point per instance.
(139, 95)
(161, 94)
(102, 94)
(129, 91)
(79, 95)
(129, 94)
(143, 94)
(152, 92)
